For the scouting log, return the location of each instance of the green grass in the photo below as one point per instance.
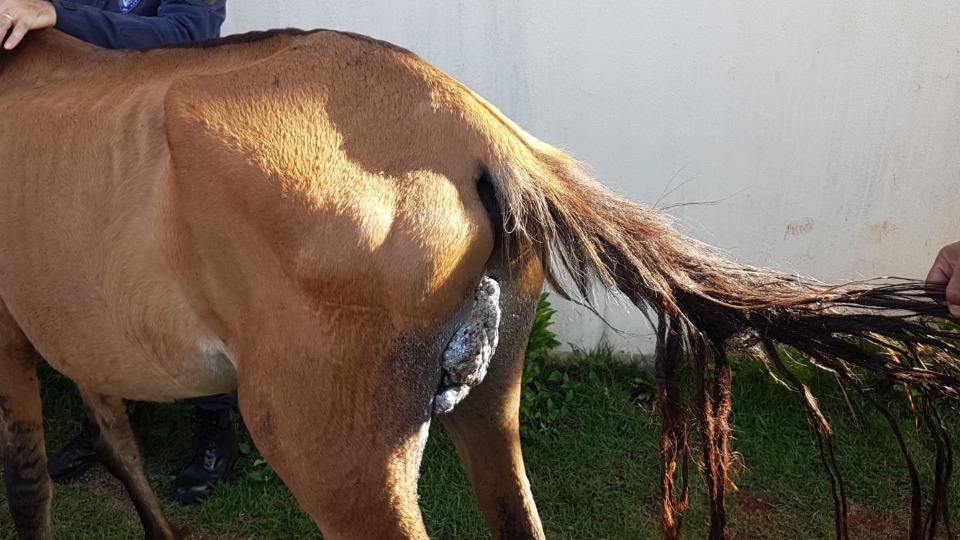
(591, 453)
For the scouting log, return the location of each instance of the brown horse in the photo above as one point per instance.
(306, 217)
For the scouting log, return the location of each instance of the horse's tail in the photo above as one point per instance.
(706, 305)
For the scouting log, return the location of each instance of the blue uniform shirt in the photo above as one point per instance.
(131, 24)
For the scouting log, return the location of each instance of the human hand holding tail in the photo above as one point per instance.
(944, 270)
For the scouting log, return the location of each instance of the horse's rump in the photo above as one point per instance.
(165, 163)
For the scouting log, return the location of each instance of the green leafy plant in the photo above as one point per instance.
(542, 339)
(253, 465)
(546, 392)
(643, 387)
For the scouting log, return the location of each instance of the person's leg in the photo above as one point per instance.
(216, 449)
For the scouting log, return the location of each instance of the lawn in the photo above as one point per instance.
(590, 435)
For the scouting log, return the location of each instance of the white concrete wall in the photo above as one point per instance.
(825, 133)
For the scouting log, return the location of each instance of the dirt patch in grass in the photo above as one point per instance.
(199, 536)
(754, 508)
(99, 478)
(756, 502)
(866, 522)
(758, 519)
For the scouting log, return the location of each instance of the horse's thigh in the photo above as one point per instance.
(485, 429)
(343, 424)
(21, 433)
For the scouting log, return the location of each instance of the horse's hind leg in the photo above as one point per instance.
(341, 413)
(117, 449)
(29, 489)
(485, 425)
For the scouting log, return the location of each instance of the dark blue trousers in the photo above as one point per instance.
(216, 402)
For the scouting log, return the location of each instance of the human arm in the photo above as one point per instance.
(177, 21)
(944, 270)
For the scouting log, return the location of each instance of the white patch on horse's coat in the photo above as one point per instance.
(216, 348)
(220, 364)
(467, 356)
(422, 443)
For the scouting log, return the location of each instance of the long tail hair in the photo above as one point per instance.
(707, 305)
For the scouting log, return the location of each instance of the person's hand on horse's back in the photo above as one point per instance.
(20, 16)
(944, 270)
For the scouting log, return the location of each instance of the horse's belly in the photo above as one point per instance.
(101, 357)
(120, 325)
(136, 377)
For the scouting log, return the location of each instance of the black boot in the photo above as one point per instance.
(76, 457)
(213, 460)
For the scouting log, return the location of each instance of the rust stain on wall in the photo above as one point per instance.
(799, 228)
(878, 231)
